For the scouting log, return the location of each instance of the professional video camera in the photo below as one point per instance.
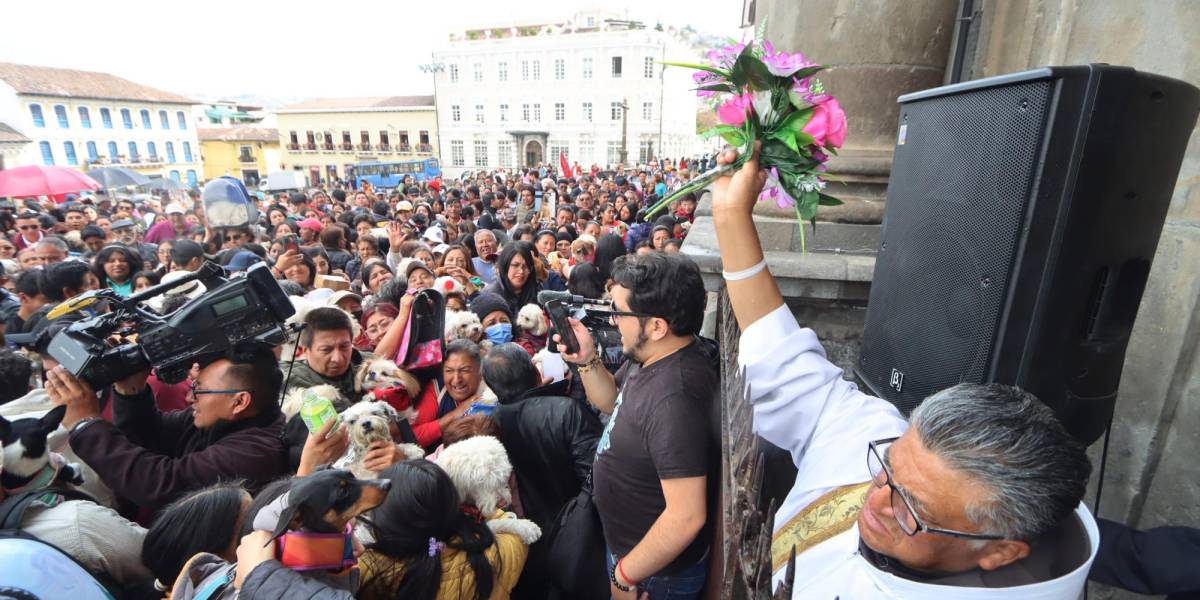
(593, 314)
(114, 345)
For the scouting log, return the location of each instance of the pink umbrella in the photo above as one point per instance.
(41, 180)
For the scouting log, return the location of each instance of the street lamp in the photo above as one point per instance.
(433, 68)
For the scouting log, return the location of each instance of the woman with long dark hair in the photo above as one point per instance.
(114, 267)
(207, 522)
(515, 280)
(427, 548)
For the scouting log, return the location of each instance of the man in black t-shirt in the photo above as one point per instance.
(657, 461)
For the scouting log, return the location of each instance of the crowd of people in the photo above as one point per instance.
(177, 473)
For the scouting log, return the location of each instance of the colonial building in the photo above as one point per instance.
(12, 144)
(326, 137)
(519, 94)
(246, 152)
(86, 119)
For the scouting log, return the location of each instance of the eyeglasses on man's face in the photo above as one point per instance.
(196, 390)
(902, 505)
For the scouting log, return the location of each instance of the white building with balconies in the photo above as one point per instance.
(86, 119)
(519, 94)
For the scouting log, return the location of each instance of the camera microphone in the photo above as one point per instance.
(545, 296)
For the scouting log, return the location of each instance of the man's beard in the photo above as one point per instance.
(638, 345)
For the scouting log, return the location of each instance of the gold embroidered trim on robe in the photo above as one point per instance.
(831, 514)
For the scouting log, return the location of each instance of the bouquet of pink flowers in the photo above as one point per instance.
(773, 97)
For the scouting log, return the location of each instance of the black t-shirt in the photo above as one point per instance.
(659, 429)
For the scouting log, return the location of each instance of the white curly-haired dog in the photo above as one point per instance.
(480, 470)
(532, 320)
(295, 399)
(368, 422)
(463, 324)
(381, 374)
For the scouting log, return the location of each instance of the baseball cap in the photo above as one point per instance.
(121, 224)
(441, 248)
(413, 265)
(435, 234)
(404, 205)
(311, 223)
(340, 295)
(185, 250)
(175, 208)
(242, 260)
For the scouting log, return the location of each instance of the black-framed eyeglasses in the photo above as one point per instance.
(613, 314)
(194, 388)
(906, 515)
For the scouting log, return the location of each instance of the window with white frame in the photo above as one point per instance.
(647, 111)
(537, 113)
(616, 67)
(587, 111)
(453, 73)
(644, 151)
(481, 158)
(537, 70)
(615, 110)
(587, 152)
(525, 113)
(502, 69)
(648, 70)
(587, 67)
(478, 113)
(456, 153)
(614, 153)
(558, 149)
(503, 113)
(455, 113)
(560, 111)
(478, 69)
(524, 70)
(560, 68)
(504, 147)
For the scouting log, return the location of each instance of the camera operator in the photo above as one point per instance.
(231, 430)
(655, 472)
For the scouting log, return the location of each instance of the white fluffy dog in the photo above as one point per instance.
(381, 374)
(480, 471)
(368, 422)
(463, 324)
(531, 320)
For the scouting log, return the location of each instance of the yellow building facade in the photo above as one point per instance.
(324, 138)
(247, 153)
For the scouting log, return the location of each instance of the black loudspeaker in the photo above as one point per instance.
(1022, 216)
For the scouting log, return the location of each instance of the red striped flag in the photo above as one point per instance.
(562, 161)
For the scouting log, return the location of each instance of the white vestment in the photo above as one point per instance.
(804, 406)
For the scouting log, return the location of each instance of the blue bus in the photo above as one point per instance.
(388, 175)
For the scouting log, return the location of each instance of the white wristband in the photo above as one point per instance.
(745, 273)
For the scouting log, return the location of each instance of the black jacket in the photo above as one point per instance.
(551, 442)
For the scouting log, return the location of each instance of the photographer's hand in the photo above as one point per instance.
(63, 388)
(587, 347)
(132, 385)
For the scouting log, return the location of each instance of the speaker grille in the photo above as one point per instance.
(959, 188)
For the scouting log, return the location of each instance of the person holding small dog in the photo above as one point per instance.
(231, 430)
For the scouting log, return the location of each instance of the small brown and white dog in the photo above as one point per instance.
(368, 422)
(532, 319)
(381, 374)
(480, 470)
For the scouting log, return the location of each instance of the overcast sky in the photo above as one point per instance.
(294, 49)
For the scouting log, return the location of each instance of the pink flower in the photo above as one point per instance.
(723, 58)
(782, 64)
(733, 112)
(774, 191)
(827, 125)
(802, 95)
(703, 78)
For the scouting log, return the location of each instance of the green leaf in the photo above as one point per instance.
(827, 200)
(752, 71)
(807, 72)
(807, 203)
(785, 136)
(796, 121)
(697, 67)
(715, 87)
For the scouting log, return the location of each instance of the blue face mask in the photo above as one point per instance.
(500, 333)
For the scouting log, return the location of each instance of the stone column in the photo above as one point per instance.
(876, 50)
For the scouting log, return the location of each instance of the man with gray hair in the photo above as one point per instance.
(486, 255)
(52, 249)
(979, 496)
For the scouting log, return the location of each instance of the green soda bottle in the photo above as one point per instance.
(317, 411)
